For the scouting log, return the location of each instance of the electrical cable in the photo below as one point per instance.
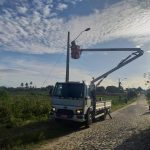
(52, 68)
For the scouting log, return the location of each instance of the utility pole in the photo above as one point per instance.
(67, 57)
(68, 52)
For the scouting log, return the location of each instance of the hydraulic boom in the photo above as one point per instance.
(137, 52)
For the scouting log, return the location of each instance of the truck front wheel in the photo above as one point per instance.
(88, 119)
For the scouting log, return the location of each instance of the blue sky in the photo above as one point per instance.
(33, 39)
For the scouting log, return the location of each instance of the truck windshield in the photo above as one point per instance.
(69, 90)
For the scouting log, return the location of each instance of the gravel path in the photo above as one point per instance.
(128, 130)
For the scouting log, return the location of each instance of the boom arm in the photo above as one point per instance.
(137, 52)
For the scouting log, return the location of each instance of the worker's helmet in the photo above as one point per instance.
(75, 50)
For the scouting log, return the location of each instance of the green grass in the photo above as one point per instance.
(24, 116)
(120, 105)
(24, 107)
(23, 137)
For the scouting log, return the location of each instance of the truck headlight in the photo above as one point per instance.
(79, 111)
(53, 109)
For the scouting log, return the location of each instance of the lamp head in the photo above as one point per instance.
(87, 29)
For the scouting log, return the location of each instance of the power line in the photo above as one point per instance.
(53, 67)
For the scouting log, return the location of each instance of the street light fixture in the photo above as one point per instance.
(87, 29)
(68, 51)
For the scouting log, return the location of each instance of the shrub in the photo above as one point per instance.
(4, 95)
(131, 94)
(5, 114)
(23, 107)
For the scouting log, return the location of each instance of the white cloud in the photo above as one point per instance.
(139, 46)
(134, 82)
(35, 33)
(22, 10)
(46, 10)
(62, 6)
(73, 1)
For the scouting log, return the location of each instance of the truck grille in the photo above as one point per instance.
(62, 112)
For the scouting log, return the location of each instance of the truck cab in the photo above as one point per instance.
(72, 101)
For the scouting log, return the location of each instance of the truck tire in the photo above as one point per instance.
(88, 119)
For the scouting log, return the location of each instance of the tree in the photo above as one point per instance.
(148, 94)
(100, 90)
(26, 84)
(31, 84)
(22, 85)
(131, 93)
(112, 89)
(139, 89)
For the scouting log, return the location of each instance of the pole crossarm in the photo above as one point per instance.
(137, 52)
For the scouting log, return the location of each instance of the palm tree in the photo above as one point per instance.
(22, 85)
(26, 85)
(31, 84)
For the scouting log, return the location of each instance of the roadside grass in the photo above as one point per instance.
(26, 136)
(116, 107)
(23, 107)
(24, 118)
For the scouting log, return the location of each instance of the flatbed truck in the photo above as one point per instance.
(72, 101)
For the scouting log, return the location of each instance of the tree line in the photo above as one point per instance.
(27, 85)
(114, 89)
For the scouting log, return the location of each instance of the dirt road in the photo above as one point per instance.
(128, 130)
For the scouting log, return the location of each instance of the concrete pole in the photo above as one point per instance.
(67, 57)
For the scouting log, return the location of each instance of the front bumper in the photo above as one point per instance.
(74, 117)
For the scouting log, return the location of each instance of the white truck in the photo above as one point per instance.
(72, 101)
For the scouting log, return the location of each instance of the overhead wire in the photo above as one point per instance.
(84, 66)
(52, 68)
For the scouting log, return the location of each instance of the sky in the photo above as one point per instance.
(33, 40)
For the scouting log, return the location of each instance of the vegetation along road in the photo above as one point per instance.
(129, 129)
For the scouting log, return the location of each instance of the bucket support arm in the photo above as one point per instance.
(137, 52)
